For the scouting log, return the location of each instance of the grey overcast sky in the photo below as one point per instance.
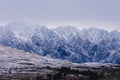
(52, 13)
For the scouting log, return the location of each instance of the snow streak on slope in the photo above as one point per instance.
(67, 32)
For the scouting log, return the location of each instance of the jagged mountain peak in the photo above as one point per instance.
(67, 32)
(115, 33)
(67, 27)
(19, 26)
(25, 31)
(93, 30)
(94, 35)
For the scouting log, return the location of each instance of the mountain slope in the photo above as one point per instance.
(67, 43)
(67, 32)
(10, 57)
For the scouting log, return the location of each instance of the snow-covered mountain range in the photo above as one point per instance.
(67, 43)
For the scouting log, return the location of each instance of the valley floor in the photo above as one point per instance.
(63, 73)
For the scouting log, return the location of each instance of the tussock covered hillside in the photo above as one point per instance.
(10, 57)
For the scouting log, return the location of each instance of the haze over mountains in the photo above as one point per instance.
(66, 43)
